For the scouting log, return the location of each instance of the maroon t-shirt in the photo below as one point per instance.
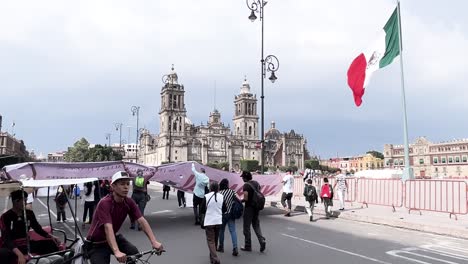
(109, 211)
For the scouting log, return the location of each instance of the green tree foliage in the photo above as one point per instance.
(249, 165)
(312, 164)
(219, 165)
(80, 152)
(376, 154)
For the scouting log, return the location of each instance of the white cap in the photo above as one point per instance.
(119, 175)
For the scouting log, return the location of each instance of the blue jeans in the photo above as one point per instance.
(232, 229)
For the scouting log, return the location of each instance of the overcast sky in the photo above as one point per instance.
(71, 69)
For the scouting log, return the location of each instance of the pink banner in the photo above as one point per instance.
(177, 175)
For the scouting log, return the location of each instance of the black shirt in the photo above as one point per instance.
(13, 227)
(248, 188)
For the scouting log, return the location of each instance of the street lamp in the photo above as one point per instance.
(118, 127)
(269, 63)
(167, 81)
(108, 137)
(136, 112)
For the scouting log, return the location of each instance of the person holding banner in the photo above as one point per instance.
(201, 182)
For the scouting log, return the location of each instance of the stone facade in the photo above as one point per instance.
(180, 140)
(56, 156)
(10, 146)
(435, 160)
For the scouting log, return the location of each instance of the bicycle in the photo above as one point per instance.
(134, 259)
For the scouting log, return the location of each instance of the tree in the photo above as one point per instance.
(219, 165)
(312, 164)
(80, 152)
(249, 165)
(376, 154)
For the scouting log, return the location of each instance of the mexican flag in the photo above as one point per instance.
(379, 55)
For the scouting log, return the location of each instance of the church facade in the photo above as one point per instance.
(180, 140)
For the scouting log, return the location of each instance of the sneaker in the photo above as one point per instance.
(235, 253)
(180, 206)
(341, 209)
(263, 246)
(288, 214)
(220, 249)
(246, 248)
(311, 218)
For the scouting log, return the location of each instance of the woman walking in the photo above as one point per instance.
(212, 207)
(228, 196)
(88, 202)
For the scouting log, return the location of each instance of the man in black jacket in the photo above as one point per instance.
(13, 228)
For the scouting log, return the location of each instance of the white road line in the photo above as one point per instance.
(395, 254)
(409, 251)
(444, 251)
(337, 249)
(52, 212)
(162, 212)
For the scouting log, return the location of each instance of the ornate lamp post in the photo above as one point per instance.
(118, 127)
(269, 63)
(108, 137)
(136, 112)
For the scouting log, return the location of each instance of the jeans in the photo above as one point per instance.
(231, 223)
(181, 197)
(140, 199)
(286, 197)
(196, 203)
(100, 253)
(309, 206)
(88, 206)
(251, 218)
(328, 203)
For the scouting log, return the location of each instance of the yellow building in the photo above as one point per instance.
(369, 162)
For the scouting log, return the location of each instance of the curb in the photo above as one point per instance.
(459, 233)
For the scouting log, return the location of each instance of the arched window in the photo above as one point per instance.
(250, 130)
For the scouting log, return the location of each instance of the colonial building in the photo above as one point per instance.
(56, 156)
(180, 140)
(436, 160)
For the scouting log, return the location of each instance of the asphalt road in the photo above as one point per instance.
(289, 239)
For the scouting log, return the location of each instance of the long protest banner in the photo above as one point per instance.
(178, 175)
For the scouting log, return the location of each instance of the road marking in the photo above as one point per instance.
(52, 212)
(440, 250)
(337, 249)
(162, 212)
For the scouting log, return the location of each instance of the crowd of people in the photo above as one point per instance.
(106, 205)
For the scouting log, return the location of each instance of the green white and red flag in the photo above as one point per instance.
(380, 54)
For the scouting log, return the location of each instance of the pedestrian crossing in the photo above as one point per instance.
(442, 252)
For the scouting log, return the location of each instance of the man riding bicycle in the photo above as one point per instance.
(109, 216)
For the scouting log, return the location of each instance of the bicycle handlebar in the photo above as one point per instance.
(133, 258)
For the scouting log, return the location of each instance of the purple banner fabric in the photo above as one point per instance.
(177, 175)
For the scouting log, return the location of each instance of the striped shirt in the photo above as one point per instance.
(228, 195)
(341, 182)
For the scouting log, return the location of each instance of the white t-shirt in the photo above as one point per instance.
(90, 197)
(214, 214)
(288, 184)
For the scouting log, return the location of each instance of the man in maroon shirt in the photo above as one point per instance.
(110, 214)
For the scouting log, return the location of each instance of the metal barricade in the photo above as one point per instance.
(443, 196)
(385, 192)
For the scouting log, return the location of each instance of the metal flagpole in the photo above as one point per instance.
(407, 173)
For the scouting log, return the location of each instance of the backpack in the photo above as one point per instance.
(237, 209)
(140, 181)
(258, 199)
(325, 193)
(311, 193)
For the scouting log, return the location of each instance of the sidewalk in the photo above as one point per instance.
(431, 222)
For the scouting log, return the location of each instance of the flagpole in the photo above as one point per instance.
(407, 173)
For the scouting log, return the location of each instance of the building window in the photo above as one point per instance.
(401, 162)
(444, 160)
(421, 161)
(457, 159)
(464, 159)
(436, 169)
(435, 160)
(450, 160)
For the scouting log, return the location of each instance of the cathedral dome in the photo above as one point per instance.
(273, 133)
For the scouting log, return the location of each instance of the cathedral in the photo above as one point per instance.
(180, 140)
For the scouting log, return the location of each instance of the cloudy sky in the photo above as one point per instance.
(71, 69)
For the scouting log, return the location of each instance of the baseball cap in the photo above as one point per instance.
(119, 175)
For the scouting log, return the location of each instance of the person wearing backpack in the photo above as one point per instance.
(139, 194)
(327, 197)
(228, 217)
(251, 211)
(311, 197)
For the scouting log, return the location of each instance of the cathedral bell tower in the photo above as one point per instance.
(172, 114)
(245, 116)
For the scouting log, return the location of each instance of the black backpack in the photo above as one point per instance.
(258, 199)
(311, 193)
